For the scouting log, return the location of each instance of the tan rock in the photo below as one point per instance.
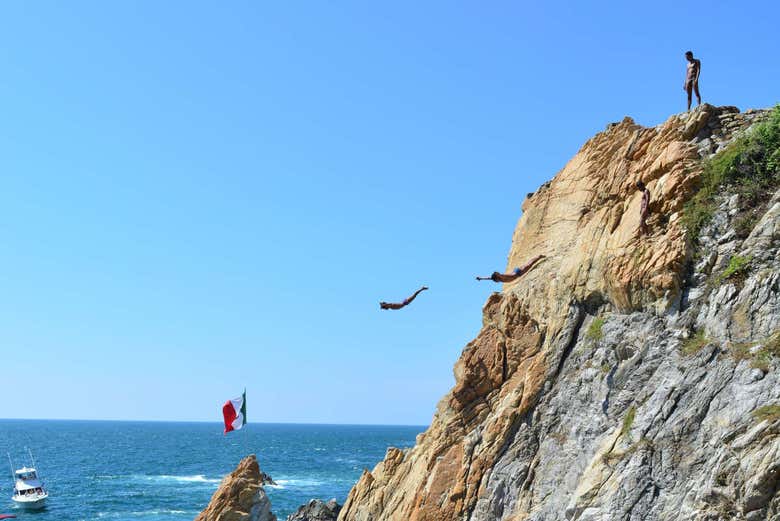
(240, 496)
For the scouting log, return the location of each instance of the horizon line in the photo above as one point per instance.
(216, 422)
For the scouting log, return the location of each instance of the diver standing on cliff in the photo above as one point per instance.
(519, 272)
(692, 78)
(399, 305)
(645, 208)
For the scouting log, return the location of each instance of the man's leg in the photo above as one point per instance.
(407, 301)
(689, 89)
(696, 90)
(530, 263)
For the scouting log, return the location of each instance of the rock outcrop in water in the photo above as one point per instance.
(316, 510)
(623, 377)
(265, 479)
(240, 496)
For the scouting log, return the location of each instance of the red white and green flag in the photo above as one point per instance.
(234, 412)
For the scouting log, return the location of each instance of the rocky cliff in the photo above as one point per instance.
(240, 496)
(624, 377)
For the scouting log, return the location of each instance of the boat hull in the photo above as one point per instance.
(32, 503)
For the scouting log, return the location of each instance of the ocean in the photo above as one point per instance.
(168, 471)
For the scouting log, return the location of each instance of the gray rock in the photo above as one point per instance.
(316, 510)
(648, 424)
(265, 479)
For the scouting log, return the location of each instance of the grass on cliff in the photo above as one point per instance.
(628, 421)
(595, 332)
(694, 344)
(737, 268)
(613, 456)
(762, 357)
(750, 167)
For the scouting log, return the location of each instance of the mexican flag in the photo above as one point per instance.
(234, 412)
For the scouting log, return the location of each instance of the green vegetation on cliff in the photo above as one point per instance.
(750, 167)
(761, 357)
(594, 332)
(628, 421)
(738, 266)
(694, 344)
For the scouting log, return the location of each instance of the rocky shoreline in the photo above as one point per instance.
(241, 496)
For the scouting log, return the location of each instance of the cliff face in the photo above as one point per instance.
(612, 381)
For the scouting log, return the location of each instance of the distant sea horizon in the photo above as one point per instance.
(214, 422)
(168, 470)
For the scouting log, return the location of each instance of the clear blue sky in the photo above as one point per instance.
(201, 196)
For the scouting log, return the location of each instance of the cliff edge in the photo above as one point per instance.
(623, 377)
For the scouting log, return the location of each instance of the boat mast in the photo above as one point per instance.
(11, 463)
(32, 460)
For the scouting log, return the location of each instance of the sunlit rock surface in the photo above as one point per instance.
(240, 496)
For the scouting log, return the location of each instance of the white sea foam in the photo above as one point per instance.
(144, 513)
(298, 482)
(163, 478)
(198, 478)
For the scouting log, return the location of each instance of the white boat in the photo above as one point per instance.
(29, 491)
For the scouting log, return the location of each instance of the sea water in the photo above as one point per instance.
(169, 471)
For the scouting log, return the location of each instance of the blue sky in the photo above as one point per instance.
(199, 197)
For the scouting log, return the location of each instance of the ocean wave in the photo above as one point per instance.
(281, 483)
(144, 513)
(163, 478)
(197, 478)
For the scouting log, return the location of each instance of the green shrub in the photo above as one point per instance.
(694, 344)
(738, 266)
(594, 330)
(750, 166)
